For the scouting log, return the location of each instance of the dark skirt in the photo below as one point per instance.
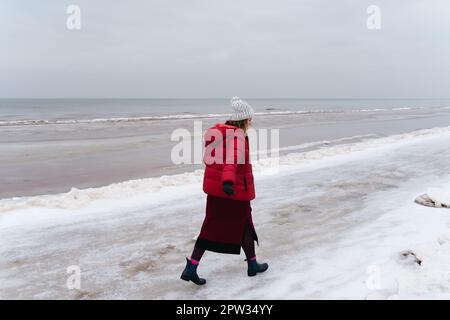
(224, 225)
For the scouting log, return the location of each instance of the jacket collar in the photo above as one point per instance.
(224, 126)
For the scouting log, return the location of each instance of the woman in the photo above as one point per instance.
(228, 183)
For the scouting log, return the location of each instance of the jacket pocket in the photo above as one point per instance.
(245, 183)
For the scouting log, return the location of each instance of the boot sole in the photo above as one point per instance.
(188, 279)
(254, 274)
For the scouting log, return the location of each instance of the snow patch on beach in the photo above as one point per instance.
(439, 196)
(425, 232)
(351, 231)
(402, 254)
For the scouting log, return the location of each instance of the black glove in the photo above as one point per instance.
(228, 188)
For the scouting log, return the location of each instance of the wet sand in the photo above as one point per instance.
(47, 159)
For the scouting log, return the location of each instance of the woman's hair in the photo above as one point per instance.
(242, 124)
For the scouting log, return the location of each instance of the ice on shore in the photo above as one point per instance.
(420, 269)
(435, 197)
(440, 196)
(77, 198)
(332, 224)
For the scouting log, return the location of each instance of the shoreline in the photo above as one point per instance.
(49, 159)
(328, 155)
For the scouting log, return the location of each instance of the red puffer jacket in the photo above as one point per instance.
(227, 158)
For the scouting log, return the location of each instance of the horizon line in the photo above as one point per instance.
(216, 98)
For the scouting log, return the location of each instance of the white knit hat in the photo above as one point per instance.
(241, 109)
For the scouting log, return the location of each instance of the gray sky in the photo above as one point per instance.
(212, 48)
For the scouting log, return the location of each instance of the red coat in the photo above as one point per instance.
(226, 216)
(224, 225)
(228, 159)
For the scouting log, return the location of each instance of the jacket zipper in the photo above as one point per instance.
(245, 183)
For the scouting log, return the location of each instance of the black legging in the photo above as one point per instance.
(248, 244)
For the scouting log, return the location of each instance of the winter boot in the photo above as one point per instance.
(254, 267)
(190, 273)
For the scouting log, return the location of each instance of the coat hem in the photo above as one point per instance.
(219, 247)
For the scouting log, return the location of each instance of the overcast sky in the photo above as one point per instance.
(212, 48)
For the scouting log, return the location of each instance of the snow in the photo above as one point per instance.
(439, 196)
(332, 224)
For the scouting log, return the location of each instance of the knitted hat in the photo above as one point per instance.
(240, 109)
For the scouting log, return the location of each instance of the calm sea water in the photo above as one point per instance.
(85, 109)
